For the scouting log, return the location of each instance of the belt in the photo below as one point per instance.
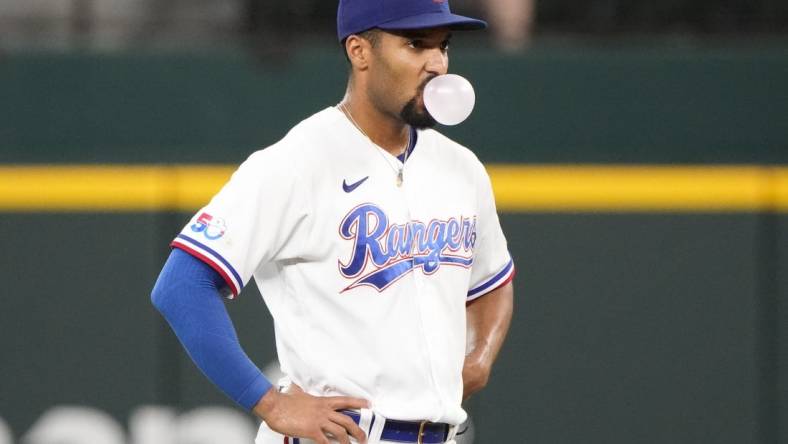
(419, 432)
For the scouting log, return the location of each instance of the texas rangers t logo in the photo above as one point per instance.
(397, 249)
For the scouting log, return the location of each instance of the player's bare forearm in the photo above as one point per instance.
(488, 320)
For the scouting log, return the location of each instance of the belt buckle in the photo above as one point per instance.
(420, 439)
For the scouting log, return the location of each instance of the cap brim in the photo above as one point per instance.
(434, 20)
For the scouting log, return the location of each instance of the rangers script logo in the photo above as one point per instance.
(397, 249)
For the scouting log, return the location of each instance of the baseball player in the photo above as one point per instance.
(375, 244)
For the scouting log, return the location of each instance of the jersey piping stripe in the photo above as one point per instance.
(414, 136)
(216, 258)
(498, 284)
(215, 254)
(210, 263)
(506, 273)
(473, 300)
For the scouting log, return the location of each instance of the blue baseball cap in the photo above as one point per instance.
(355, 16)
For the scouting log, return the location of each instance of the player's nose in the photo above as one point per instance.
(437, 62)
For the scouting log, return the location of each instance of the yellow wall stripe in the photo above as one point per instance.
(109, 187)
(640, 188)
(518, 188)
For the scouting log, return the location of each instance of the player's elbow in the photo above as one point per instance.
(169, 284)
(182, 280)
(165, 292)
(158, 296)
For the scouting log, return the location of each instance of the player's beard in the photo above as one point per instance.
(415, 117)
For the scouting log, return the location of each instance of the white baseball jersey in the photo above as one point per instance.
(367, 281)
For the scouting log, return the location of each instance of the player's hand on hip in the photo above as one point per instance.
(299, 414)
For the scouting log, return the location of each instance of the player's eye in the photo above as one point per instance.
(445, 45)
(415, 43)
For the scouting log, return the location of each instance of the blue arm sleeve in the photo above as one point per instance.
(187, 293)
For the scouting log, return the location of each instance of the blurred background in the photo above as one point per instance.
(639, 152)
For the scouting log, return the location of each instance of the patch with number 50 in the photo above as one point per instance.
(211, 227)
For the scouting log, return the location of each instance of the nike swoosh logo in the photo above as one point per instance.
(349, 188)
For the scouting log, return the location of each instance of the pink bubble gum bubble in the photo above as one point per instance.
(449, 99)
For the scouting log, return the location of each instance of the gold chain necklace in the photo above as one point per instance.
(398, 171)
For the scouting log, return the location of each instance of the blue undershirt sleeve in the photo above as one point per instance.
(188, 295)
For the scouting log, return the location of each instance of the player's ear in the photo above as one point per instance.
(358, 51)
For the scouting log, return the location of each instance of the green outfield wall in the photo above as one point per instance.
(631, 104)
